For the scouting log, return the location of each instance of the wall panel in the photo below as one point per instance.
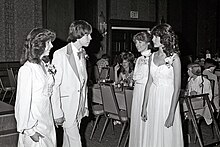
(17, 19)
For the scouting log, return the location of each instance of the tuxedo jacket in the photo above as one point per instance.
(69, 91)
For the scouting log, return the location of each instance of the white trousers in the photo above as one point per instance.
(71, 136)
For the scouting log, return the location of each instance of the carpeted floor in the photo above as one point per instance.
(111, 137)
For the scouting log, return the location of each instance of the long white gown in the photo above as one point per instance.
(33, 107)
(140, 77)
(160, 97)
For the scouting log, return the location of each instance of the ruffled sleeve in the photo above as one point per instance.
(23, 114)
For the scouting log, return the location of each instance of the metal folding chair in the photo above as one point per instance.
(7, 89)
(12, 81)
(111, 109)
(191, 112)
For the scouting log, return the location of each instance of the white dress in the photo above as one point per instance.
(33, 107)
(159, 102)
(137, 125)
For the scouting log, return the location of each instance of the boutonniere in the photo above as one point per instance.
(82, 54)
(51, 69)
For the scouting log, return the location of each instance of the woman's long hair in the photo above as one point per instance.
(35, 44)
(167, 37)
(130, 58)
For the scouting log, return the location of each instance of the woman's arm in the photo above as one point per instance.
(145, 101)
(116, 68)
(23, 114)
(146, 92)
(208, 88)
(177, 86)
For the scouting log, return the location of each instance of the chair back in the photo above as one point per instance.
(96, 73)
(112, 73)
(11, 77)
(128, 100)
(109, 100)
(104, 73)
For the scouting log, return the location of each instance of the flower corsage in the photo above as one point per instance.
(51, 69)
(143, 61)
(169, 61)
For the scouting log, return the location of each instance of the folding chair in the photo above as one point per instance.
(191, 112)
(111, 109)
(98, 111)
(6, 89)
(128, 101)
(104, 73)
(12, 81)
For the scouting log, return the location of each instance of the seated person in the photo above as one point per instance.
(103, 62)
(198, 84)
(124, 73)
(209, 69)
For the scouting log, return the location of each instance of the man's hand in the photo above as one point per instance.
(36, 137)
(59, 121)
(144, 114)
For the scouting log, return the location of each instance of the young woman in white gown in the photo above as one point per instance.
(142, 41)
(35, 80)
(160, 107)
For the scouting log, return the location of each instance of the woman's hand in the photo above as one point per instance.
(36, 137)
(117, 66)
(169, 121)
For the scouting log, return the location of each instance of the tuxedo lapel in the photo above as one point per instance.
(71, 59)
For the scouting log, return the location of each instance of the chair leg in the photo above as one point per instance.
(127, 138)
(4, 95)
(122, 132)
(113, 127)
(12, 96)
(103, 130)
(199, 124)
(94, 127)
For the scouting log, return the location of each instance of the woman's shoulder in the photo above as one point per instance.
(26, 67)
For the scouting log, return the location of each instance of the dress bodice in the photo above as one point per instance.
(163, 74)
(141, 70)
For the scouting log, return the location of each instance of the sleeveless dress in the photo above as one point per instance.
(160, 97)
(140, 77)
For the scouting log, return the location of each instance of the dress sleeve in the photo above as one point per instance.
(208, 88)
(23, 114)
(56, 96)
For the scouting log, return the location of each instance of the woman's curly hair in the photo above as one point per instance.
(35, 44)
(167, 37)
(78, 29)
(130, 58)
